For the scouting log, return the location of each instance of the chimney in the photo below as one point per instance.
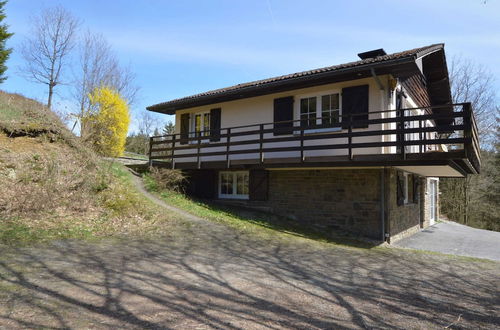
(372, 53)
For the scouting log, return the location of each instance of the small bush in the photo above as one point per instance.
(167, 179)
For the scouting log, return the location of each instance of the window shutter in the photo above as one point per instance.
(283, 111)
(416, 185)
(355, 101)
(258, 185)
(400, 187)
(215, 124)
(184, 128)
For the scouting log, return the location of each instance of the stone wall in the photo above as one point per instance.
(402, 220)
(329, 199)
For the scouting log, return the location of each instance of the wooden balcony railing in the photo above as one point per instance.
(447, 131)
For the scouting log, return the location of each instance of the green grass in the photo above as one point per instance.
(12, 233)
(257, 222)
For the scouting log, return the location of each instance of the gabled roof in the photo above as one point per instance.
(398, 64)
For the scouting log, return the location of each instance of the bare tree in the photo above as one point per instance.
(146, 123)
(465, 200)
(98, 66)
(46, 50)
(472, 82)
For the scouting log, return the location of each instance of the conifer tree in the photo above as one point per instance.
(4, 35)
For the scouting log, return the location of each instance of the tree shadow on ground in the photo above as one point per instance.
(288, 225)
(205, 278)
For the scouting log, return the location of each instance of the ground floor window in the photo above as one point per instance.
(233, 184)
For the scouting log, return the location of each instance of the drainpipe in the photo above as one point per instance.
(382, 202)
(377, 79)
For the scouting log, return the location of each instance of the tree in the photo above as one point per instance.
(169, 128)
(4, 35)
(471, 200)
(98, 66)
(472, 82)
(107, 121)
(48, 47)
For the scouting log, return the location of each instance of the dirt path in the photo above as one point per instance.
(208, 276)
(138, 183)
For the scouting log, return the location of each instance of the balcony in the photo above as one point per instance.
(431, 141)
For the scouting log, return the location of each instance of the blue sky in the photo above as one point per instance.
(178, 48)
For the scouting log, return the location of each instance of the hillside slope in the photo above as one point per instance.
(51, 186)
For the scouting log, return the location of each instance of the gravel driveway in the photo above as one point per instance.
(205, 276)
(453, 238)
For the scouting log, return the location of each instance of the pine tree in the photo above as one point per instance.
(4, 35)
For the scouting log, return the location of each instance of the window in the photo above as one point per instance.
(409, 186)
(323, 109)
(308, 111)
(201, 124)
(330, 109)
(233, 184)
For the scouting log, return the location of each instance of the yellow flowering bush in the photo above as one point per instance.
(107, 122)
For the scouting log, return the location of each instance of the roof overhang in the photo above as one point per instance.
(434, 65)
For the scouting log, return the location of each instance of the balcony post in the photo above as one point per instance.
(403, 137)
(349, 139)
(302, 159)
(198, 151)
(228, 142)
(261, 144)
(420, 137)
(173, 152)
(150, 151)
(467, 109)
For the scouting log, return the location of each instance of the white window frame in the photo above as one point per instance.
(234, 195)
(433, 205)
(319, 105)
(192, 125)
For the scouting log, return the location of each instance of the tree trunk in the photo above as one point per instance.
(51, 92)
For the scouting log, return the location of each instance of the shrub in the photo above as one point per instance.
(167, 179)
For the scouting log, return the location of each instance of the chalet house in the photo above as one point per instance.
(356, 147)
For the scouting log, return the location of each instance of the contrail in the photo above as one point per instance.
(270, 9)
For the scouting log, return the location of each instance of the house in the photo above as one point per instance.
(358, 147)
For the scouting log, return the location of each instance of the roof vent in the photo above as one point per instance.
(372, 53)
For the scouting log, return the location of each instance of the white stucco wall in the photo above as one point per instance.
(259, 110)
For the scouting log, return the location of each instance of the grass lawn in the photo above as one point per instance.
(247, 219)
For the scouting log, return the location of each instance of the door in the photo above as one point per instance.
(433, 194)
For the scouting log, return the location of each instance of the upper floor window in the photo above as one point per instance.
(330, 109)
(201, 124)
(321, 110)
(308, 111)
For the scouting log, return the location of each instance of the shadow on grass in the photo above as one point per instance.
(268, 220)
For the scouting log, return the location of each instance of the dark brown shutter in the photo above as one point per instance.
(400, 188)
(184, 128)
(283, 111)
(215, 125)
(416, 186)
(202, 183)
(355, 101)
(258, 185)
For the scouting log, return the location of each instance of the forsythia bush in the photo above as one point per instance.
(108, 121)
